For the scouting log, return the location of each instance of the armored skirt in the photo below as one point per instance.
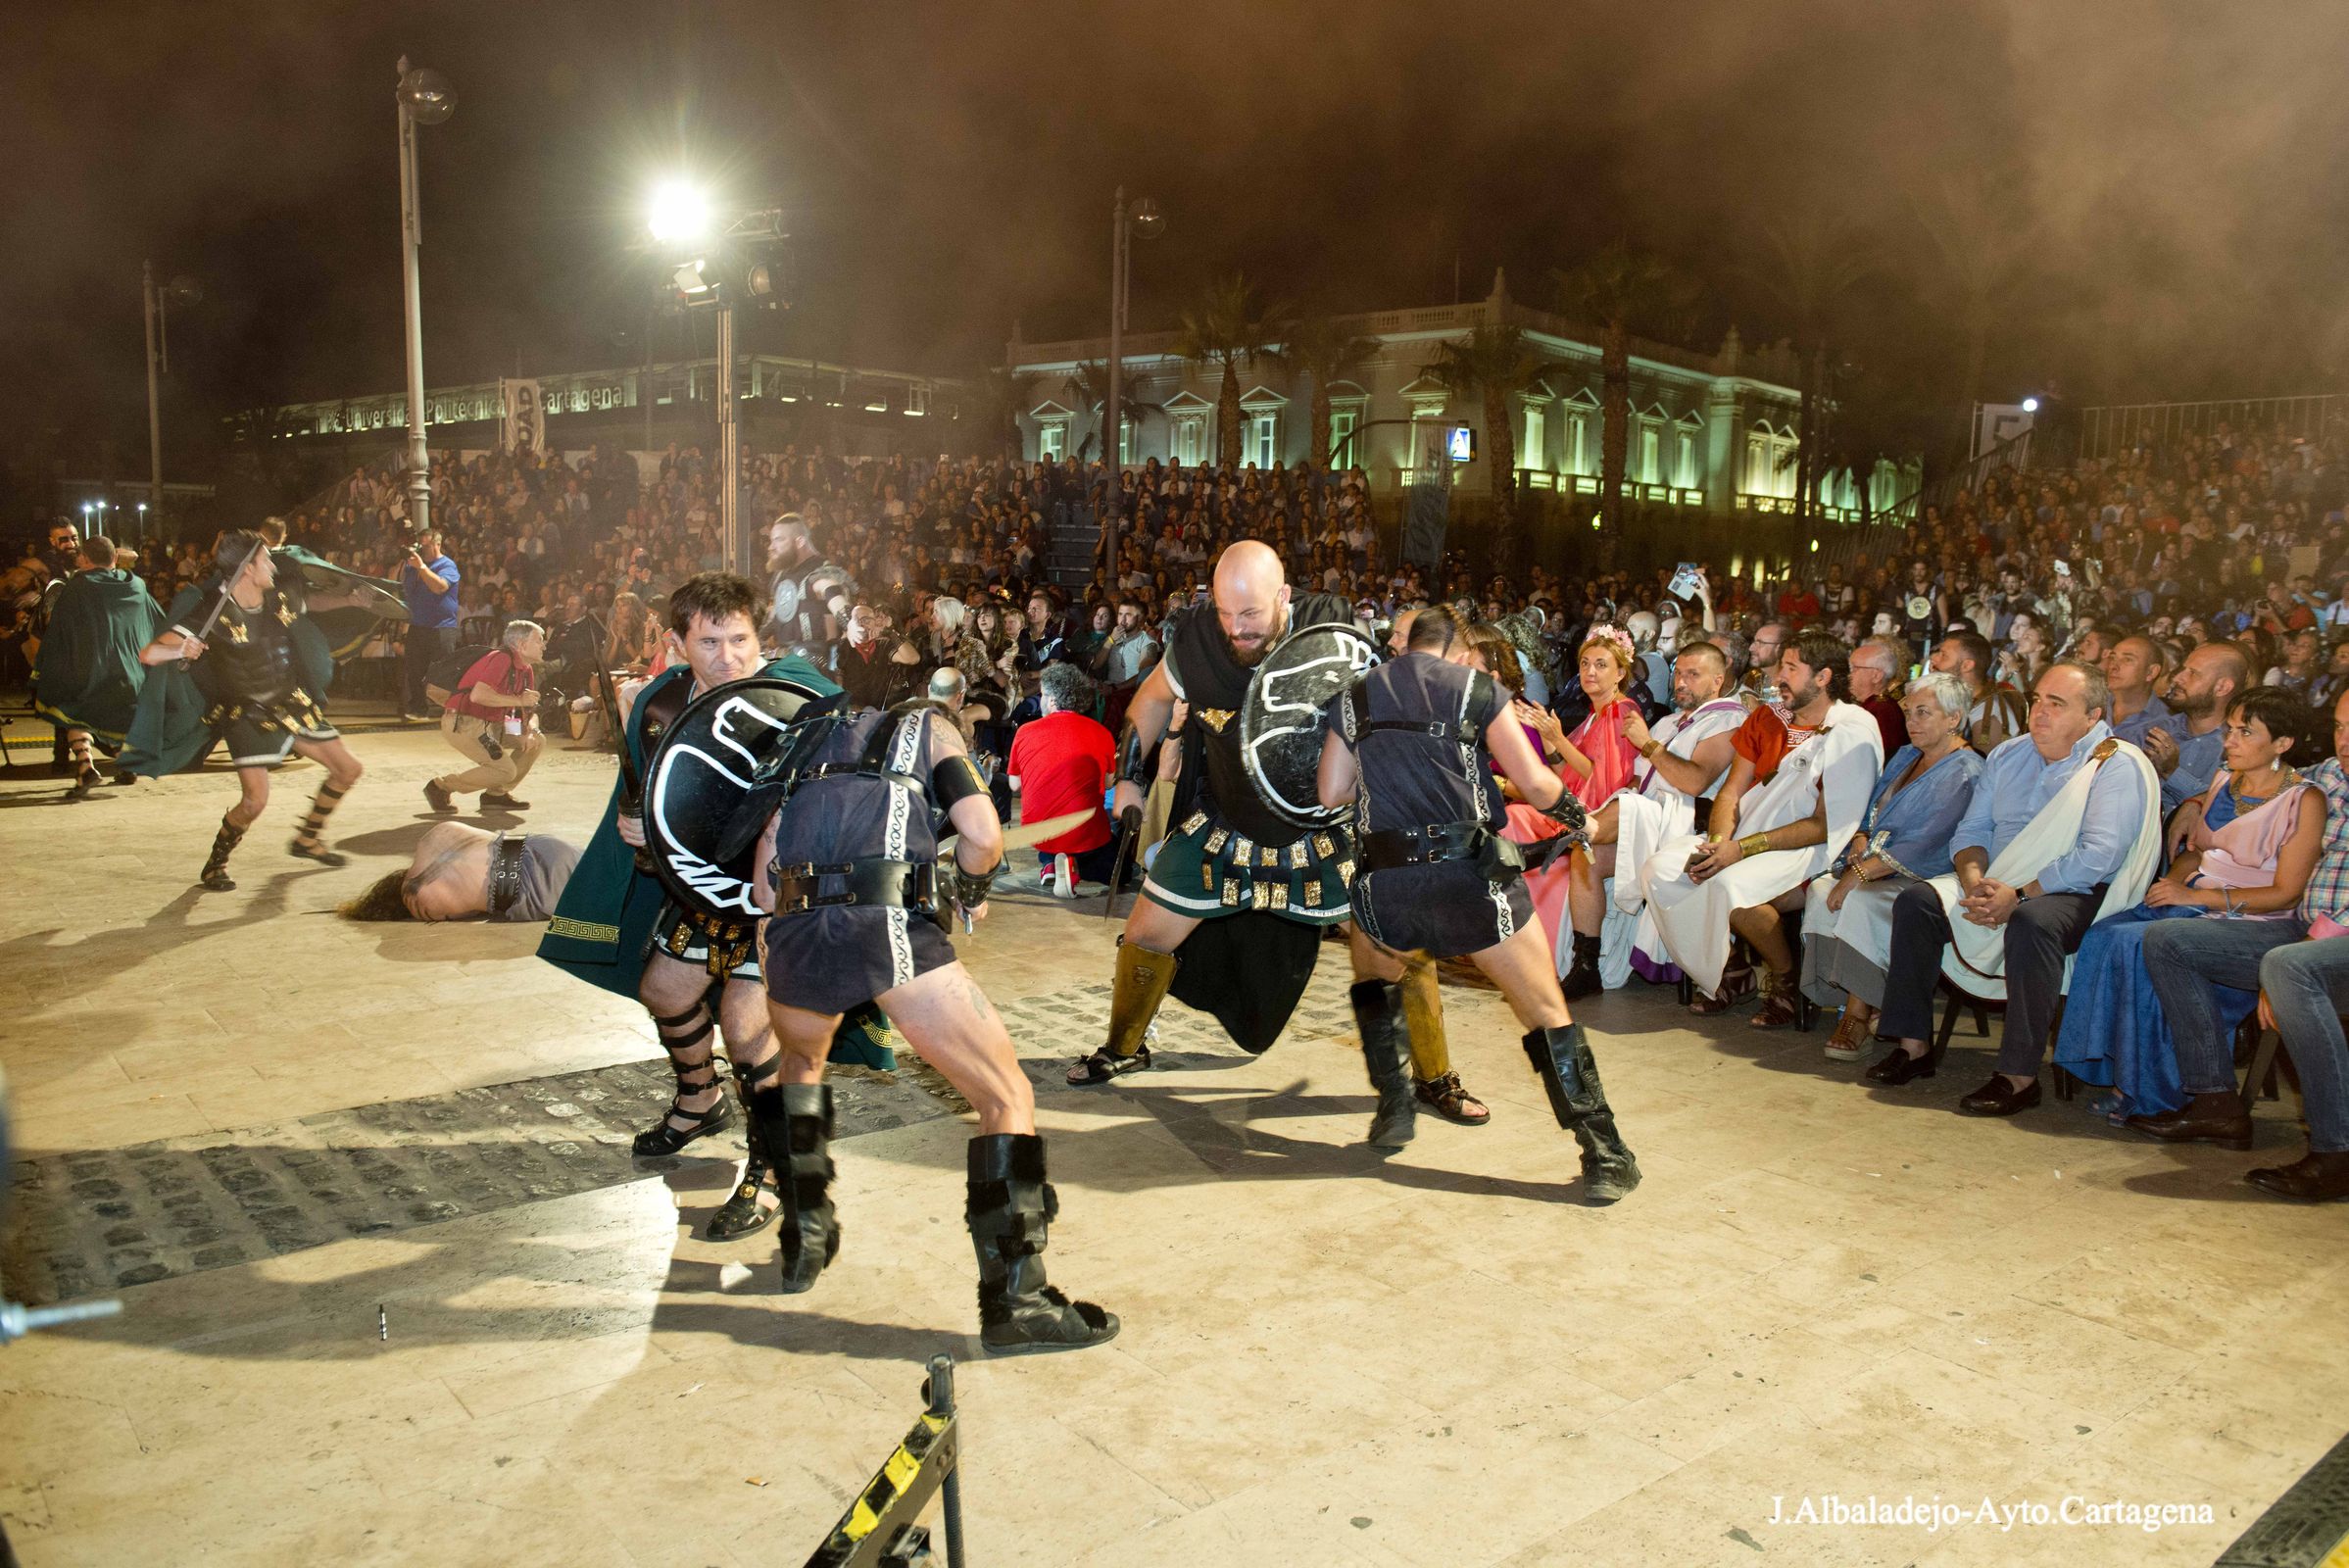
(1448, 910)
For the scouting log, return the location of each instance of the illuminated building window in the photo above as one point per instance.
(1531, 454)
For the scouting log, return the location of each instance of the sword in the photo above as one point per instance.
(228, 586)
(1129, 832)
(632, 791)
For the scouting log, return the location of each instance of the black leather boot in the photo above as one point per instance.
(1582, 980)
(792, 1123)
(1387, 1052)
(1570, 1074)
(1010, 1210)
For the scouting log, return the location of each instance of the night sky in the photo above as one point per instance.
(2153, 186)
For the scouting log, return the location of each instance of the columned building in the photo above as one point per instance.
(1713, 433)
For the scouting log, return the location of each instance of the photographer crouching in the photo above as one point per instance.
(491, 719)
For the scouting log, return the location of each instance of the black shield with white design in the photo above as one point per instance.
(1284, 718)
(704, 766)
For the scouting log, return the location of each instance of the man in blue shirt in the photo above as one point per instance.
(428, 582)
(2043, 920)
(2132, 668)
(2186, 750)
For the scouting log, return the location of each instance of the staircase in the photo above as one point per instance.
(1068, 555)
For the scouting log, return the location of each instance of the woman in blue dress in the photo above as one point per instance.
(2248, 848)
(1905, 838)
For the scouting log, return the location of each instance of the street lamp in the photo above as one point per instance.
(426, 98)
(711, 261)
(1146, 220)
(180, 291)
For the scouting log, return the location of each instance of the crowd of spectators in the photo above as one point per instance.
(2183, 579)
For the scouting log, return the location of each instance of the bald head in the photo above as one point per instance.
(1252, 598)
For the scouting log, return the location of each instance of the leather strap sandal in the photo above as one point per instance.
(1447, 1099)
(1105, 1064)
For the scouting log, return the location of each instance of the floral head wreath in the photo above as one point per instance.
(1617, 638)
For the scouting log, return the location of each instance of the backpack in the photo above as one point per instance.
(444, 675)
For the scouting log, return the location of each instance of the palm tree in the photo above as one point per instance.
(1622, 293)
(1089, 382)
(1321, 351)
(1816, 260)
(1227, 329)
(1496, 362)
(999, 398)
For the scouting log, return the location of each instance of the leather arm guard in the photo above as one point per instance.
(1136, 762)
(956, 779)
(966, 889)
(1567, 811)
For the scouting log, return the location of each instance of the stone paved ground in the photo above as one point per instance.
(1441, 1358)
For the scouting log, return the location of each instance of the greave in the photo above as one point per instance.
(1423, 1018)
(793, 1124)
(1140, 982)
(1010, 1208)
(1379, 1013)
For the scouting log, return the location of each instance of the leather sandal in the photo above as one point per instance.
(1849, 1042)
(1447, 1099)
(316, 852)
(664, 1138)
(1780, 1006)
(1105, 1064)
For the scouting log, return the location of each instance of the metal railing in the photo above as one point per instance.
(2107, 432)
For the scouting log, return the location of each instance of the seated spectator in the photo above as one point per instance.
(2252, 839)
(1995, 714)
(874, 669)
(1902, 840)
(1880, 667)
(1796, 789)
(1594, 763)
(2134, 668)
(2187, 750)
(1679, 763)
(1061, 763)
(2303, 987)
(2062, 830)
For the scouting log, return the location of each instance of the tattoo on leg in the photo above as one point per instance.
(978, 999)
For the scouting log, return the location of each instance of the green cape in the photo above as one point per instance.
(602, 924)
(167, 730)
(89, 675)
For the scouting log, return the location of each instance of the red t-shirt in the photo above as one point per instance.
(499, 670)
(1062, 762)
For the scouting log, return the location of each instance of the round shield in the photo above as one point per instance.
(1284, 717)
(702, 768)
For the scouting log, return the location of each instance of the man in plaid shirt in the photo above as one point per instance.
(2304, 985)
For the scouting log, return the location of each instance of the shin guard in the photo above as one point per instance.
(793, 1124)
(1010, 1208)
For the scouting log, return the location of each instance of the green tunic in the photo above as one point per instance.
(89, 675)
(603, 925)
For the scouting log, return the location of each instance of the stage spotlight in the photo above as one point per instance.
(679, 213)
(2030, 405)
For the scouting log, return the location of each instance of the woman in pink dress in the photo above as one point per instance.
(1594, 762)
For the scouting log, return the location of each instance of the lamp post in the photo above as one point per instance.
(1145, 218)
(713, 261)
(425, 98)
(157, 303)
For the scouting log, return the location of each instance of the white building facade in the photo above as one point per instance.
(1712, 433)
